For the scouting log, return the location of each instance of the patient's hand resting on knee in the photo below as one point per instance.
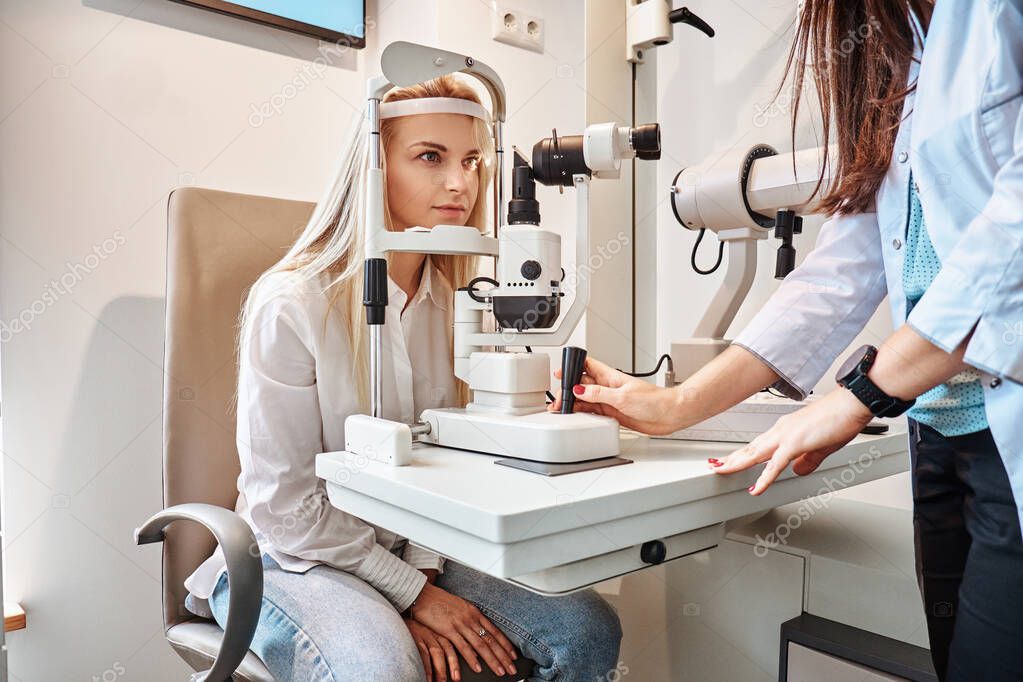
(461, 623)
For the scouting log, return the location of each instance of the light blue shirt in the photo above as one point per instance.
(962, 135)
(955, 407)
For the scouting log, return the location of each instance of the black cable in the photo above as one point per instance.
(471, 287)
(696, 246)
(775, 392)
(655, 370)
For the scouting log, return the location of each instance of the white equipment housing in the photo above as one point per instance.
(540, 436)
(736, 195)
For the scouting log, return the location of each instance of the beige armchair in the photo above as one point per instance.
(217, 245)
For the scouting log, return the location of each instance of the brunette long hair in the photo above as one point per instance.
(859, 52)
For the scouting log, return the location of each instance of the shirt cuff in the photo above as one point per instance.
(955, 307)
(785, 385)
(422, 558)
(397, 580)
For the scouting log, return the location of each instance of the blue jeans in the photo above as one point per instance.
(329, 625)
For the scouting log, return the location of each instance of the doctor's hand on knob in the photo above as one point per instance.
(635, 403)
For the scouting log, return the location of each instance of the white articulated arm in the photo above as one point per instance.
(741, 246)
(376, 227)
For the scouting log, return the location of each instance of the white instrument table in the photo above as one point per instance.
(557, 534)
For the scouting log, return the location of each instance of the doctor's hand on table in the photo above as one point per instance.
(441, 623)
(906, 366)
(802, 438)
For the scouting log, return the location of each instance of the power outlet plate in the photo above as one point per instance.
(513, 26)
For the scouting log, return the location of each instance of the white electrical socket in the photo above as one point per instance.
(511, 25)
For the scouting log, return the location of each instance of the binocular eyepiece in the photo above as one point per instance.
(559, 157)
(646, 141)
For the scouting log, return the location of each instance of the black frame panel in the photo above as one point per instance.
(852, 644)
(275, 21)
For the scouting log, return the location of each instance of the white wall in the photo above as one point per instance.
(105, 106)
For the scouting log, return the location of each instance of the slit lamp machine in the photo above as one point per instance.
(733, 196)
(508, 412)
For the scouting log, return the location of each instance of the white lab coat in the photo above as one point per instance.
(963, 138)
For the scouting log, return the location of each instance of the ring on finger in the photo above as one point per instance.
(483, 633)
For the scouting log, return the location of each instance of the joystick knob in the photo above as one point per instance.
(572, 360)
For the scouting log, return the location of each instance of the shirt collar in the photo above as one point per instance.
(433, 284)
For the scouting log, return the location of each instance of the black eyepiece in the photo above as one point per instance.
(557, 158)
(523, 207)
(646, 141)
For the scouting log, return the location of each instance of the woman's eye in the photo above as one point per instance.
(471, 164)
(430, 157)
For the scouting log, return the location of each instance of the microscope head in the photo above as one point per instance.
(598, 152)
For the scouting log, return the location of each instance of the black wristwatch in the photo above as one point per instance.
(853, 376)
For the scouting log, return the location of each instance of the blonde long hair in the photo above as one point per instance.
(333, 239)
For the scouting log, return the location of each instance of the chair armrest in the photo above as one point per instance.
(244, 573)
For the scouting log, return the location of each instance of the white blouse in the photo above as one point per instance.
(294, 392)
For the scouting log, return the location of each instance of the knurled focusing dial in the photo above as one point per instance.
(530, 270)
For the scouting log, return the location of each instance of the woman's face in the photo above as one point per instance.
(432, 170)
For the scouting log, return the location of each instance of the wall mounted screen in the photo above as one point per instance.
(333, 20)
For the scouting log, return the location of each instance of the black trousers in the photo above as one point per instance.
(969, 556)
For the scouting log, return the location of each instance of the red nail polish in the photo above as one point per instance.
(712, 460)
(751, 488)
(717, 464)
(578, 389)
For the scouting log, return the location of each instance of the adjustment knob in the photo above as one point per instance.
(530, 270)
(653, 552)
(572, 361)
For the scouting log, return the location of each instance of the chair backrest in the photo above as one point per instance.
(218, 243)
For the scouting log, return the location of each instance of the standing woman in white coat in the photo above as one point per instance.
(927, 207)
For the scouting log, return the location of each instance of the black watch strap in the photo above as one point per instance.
(877, 401)
(854, 377)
